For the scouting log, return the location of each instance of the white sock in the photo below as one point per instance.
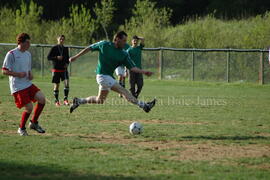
(82, 100)
(141, 104)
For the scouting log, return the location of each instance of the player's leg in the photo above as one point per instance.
(66, 88)
(132, 83)
(139, 82)
(25, 116)
(105, 83)
(56, 82)
(56, 93)
(99, 99)
(121, 81)
(129, 97)
(23, 100)
(120, 72)
(41, 101)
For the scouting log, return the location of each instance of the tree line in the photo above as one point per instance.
(155, 21)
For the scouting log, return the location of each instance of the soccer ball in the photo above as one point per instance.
(135, 128)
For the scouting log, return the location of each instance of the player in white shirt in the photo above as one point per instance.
(122, 72)
(17, 65)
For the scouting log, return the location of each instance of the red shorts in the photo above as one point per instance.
(25, 96)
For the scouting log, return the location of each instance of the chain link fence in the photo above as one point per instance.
(216, 65)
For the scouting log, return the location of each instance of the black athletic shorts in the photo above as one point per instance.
(57, 76)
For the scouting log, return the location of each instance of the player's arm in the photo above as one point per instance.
(81, 53)
(14, 74)
(142, 40)
(52, 56)
(141, 71)
(30, 75)
(93, 47)
(129, 63)
(66, 55)
(7, 67)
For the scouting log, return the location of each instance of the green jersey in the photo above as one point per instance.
(127, 46)
(110, 57)
(136, 55)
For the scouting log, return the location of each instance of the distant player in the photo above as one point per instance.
(17, 65)
(111, 55)
(122, 73)
(59, 55)
(135, 52)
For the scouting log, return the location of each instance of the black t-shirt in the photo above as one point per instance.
(59, 50)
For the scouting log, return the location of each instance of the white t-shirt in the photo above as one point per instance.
(18, 61)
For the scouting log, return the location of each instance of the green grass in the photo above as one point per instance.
(197, 131)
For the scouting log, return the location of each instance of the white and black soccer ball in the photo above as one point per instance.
(135, 128)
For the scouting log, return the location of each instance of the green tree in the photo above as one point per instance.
(148, 21)
(27, 19)
(78, 28)
(7, 17)
(104, 13)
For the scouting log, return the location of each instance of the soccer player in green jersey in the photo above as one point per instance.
(111, 55)
(135, 53)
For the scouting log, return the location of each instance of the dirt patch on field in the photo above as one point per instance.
(175, 150)
(184, 150)
(262, 134)
(214, 152)
(263, 166)
(8, 132)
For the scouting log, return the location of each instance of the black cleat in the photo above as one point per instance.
(36, 127)
(75, 104)
(148, 106)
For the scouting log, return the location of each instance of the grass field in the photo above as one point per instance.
(196, 131)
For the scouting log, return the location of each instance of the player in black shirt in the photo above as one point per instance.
(59, 56)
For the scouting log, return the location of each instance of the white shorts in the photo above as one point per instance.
(105, 82)
(120, 71)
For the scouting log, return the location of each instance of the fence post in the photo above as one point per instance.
(70, 54)
(261, 69)
(228, 65)
(160, 64)
(193, 66)
(42, 62)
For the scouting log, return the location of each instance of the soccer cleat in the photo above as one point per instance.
(22, 132)
(148, 106)
(75, 104)
(66, 103)
(36, 127)
(57, 103)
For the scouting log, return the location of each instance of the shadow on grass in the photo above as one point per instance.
(22, 171)
(227, 137)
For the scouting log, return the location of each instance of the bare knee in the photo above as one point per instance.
(100, 101)
(29, 108)
(42, 100)
(56, 86)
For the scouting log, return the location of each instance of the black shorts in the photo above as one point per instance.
(56, 76)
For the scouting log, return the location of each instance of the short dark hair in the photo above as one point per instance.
(120, 35)
(61, 35)
(22, 37)
(135, 37)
